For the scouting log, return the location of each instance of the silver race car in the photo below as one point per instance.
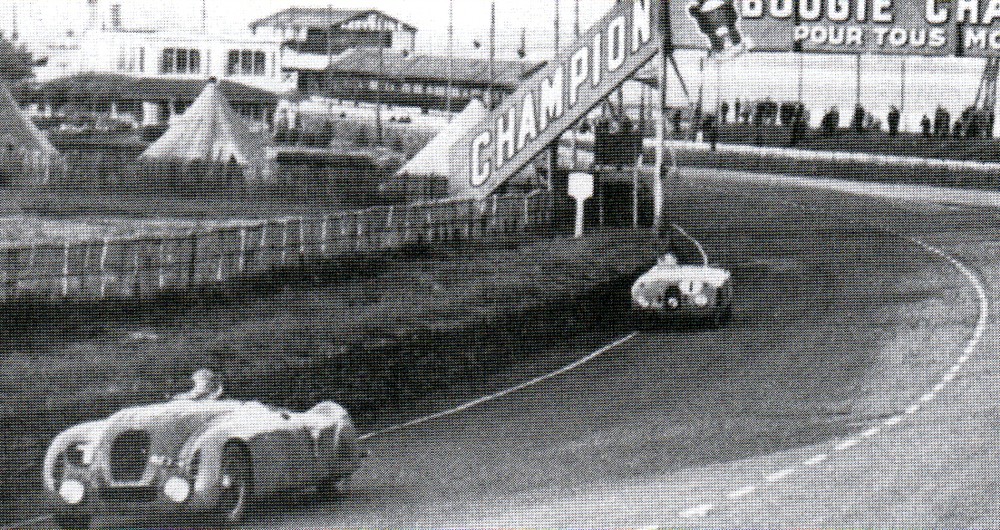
(670, 290)
(196, 454)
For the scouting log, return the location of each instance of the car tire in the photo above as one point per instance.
(72, 520)
(236, 478)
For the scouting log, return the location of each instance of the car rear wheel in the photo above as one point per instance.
(72, 520)
(236, 480)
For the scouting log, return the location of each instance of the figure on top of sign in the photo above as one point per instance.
(719, 21)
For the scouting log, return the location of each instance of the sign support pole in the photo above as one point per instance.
(661, 131)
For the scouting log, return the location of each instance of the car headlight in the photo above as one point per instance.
(177, 489)
(72, 491)
(700, 300)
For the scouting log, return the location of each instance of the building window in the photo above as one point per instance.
(180, 61)
(247, 62)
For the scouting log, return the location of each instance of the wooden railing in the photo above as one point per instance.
(143, 267)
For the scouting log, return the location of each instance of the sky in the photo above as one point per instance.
(827, 80)
(47, 19)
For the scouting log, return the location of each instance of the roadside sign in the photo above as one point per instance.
(581, 188)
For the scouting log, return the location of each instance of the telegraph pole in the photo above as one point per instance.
(666, 49)
(493, 51)
(451, 56)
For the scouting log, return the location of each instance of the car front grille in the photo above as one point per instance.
(128, 495)
(128, 456)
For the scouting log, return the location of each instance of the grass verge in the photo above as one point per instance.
(374, 333)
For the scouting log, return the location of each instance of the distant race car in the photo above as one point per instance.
(194, 457)
(673, 290)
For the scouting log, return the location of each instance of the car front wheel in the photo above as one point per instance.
(236, 482)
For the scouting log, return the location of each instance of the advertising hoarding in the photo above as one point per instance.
(898, 27)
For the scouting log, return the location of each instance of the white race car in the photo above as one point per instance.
(192, 456)
(670, 290)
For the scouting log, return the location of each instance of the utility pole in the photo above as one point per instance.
(451, 56)
(493, 52)
(666, 48)
(553, 158)
(329, 60)
(378, 82)
(576, 126)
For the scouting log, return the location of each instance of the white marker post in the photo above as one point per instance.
(581, 188)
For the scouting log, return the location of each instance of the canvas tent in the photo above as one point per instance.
(210, 131)
(432, 160)
(23, 147)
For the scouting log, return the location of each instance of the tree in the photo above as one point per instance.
(16, 62)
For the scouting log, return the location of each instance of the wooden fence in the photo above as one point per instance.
(143, 267)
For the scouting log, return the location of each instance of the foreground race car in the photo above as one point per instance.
(670, 291)
(195, 457)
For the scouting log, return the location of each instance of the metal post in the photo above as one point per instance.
(103, 265)
(324, 232)
(493, 52)
(378, 84)
(857, 87)
(660, 171)
(243, 249)
(65, 270)
(161, 275)
(451, 56)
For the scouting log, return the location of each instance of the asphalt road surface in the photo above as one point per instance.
(786, 416)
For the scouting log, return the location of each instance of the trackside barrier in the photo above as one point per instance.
(147, 266)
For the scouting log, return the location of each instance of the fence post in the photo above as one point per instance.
(220, 245)
(284, 242)
(526, 223)
(243, 249)
(262, 249)
(430, 227)
(193, 261)
(137, 287)
(302, 241)
(103, 265)
(323, 233)
(388, 237)
(65, 270)
(161, 276)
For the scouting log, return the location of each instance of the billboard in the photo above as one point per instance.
(902, 27)
(554, 98)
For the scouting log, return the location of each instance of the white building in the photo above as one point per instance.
(267, 55)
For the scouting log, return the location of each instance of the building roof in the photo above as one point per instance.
(401, 66)
(123, 87)
(318, 17)
(209, 130)
(18, 131)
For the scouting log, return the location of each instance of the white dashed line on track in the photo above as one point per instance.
(698, 511)
(776, 476)
(747, 490)
(973, 343)
(818, 459)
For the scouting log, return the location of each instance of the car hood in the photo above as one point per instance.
(169, 424)
(673, 274)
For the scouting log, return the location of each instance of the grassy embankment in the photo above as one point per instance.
(375, 333)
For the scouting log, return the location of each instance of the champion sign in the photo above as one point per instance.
(557, 96)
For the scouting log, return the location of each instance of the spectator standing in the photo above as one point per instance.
(711, 130)
(736, 110)
(925, 126)
(942, 121)
(892, 120)
(830, 122)
(723, 112)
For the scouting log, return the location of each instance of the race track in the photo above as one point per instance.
(839, 328)
(783, 417)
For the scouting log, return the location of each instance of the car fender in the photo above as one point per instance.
(88, 433)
